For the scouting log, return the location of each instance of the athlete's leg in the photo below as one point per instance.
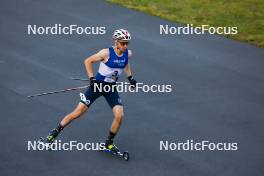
(118, 116)
(86, 100)
(77, 112)
(114, 102)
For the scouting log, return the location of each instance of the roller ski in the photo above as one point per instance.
(49, 139)
(109, 147)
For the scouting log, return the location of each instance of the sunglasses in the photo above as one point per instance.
(123, 43)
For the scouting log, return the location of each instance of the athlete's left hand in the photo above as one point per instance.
(132, 81)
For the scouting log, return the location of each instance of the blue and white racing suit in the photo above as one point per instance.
(107, 74)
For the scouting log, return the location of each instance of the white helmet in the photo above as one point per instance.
(121, 34)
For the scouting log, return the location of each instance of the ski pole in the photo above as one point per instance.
(58, 91)
(85, 79)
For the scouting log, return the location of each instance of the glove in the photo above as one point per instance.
(92, 80)
(132, 81)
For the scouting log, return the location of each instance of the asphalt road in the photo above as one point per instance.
(217, 95)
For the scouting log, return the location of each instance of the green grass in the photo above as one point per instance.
(247, 15)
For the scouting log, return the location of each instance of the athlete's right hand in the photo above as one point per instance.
(92, 81)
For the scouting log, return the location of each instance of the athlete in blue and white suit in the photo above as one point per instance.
(113, 61)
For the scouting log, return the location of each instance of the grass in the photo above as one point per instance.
(247, 15)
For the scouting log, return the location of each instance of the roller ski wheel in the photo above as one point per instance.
(124, 155)
(43, 141)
